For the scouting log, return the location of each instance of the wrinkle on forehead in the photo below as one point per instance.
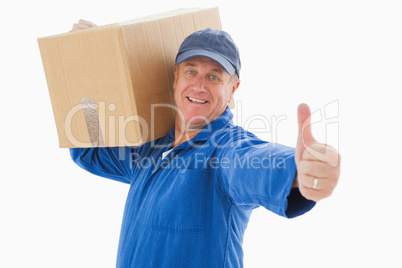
(192, 62)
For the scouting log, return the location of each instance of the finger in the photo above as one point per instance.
(90, 24)
(83, 26)
(323, 153)
(319, 183)
(323, 188)
(312, 182)
(304, 122)
(315, 195)
(75, 27)
(304, 137)
(317, 169)
(79, 27)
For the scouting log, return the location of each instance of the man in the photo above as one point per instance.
(192, 191)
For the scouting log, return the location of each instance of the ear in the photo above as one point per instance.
(234, 87)
(176, 75)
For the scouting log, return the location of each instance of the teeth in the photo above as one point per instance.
(195, 100)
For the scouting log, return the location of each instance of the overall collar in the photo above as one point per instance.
(217, 125)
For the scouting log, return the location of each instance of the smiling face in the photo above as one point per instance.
(203, 89)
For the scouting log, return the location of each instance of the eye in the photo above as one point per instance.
(190, 72)
(213, 77)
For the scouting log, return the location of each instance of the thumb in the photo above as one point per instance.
(305, 137)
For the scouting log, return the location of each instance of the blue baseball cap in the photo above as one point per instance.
(214, 44)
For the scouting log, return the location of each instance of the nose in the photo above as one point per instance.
(199, 83)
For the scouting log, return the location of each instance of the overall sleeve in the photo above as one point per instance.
(257, 173)
(108, 162)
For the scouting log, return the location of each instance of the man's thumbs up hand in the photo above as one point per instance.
(318, 165)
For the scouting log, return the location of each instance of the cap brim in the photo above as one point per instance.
(205, 53)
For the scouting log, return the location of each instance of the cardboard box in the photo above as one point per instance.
(112, 85)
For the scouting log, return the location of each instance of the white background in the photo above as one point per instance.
(53, 214)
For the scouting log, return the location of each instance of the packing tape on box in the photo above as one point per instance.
(92, 121)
